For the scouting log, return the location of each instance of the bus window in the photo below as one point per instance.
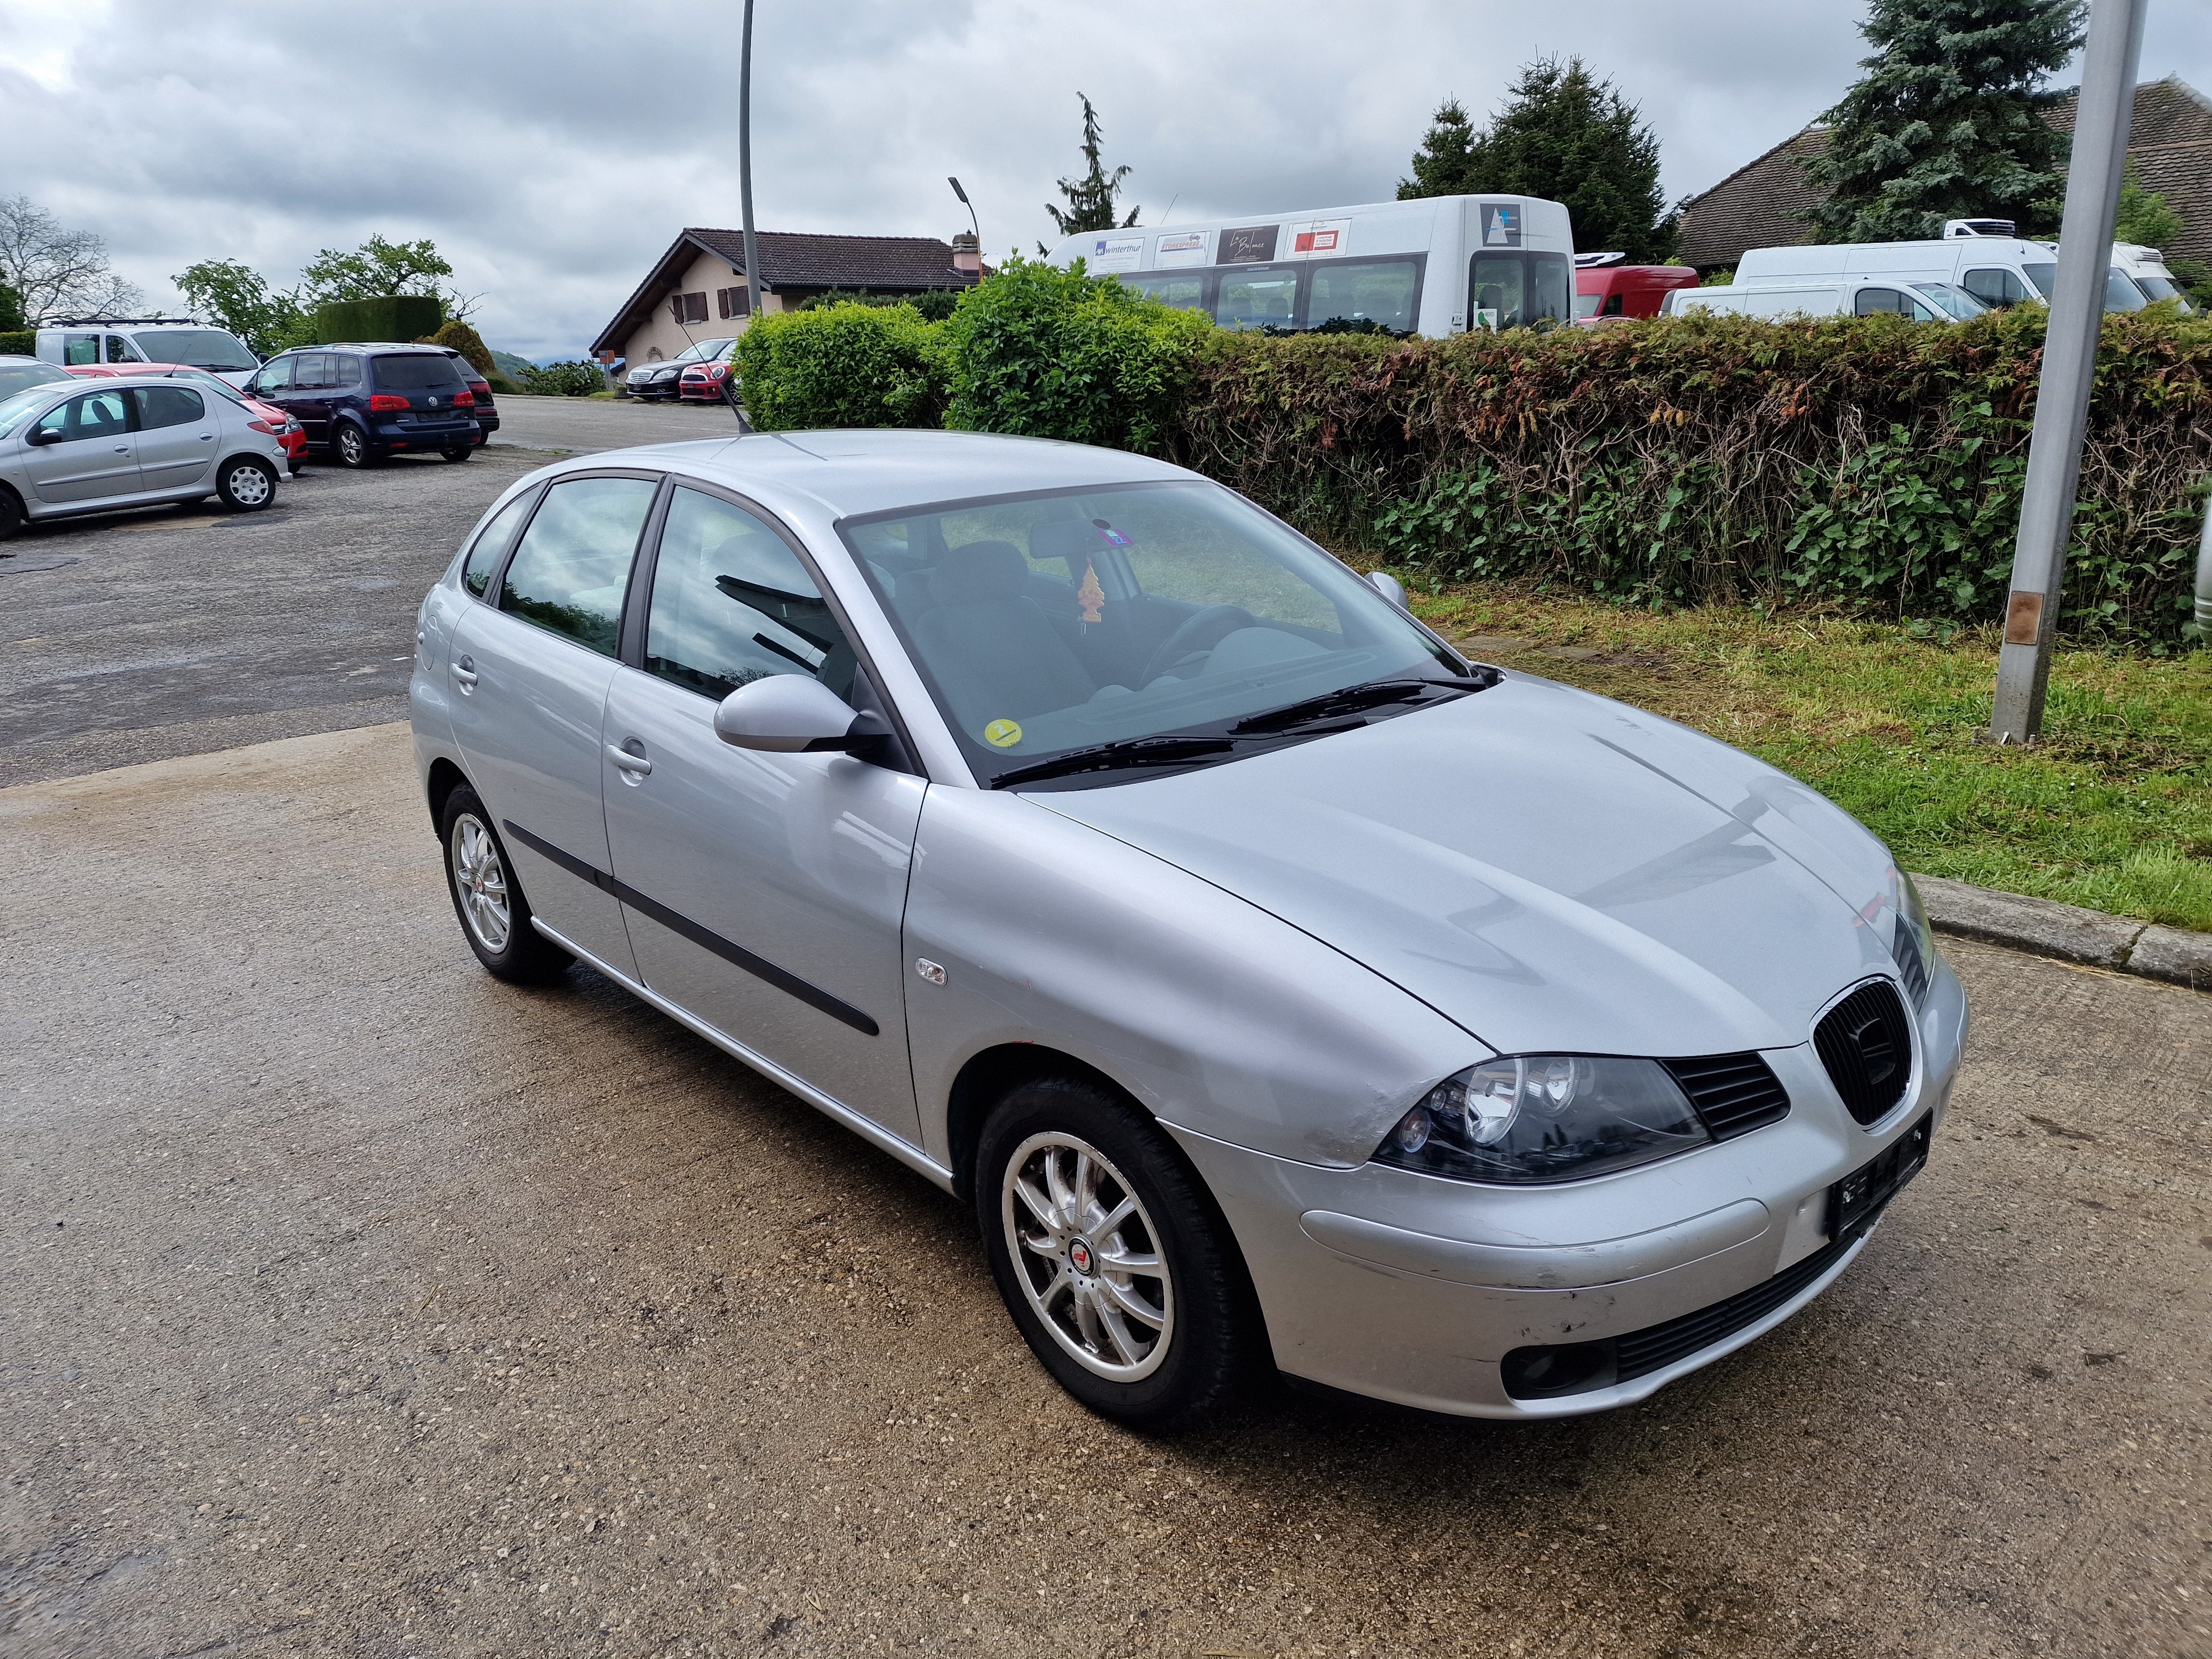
(1254, 298)
(1184, 293)
(1509, 290)
(1385, 292)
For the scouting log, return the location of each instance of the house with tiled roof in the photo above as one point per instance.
(1762, 203)
(700, 289)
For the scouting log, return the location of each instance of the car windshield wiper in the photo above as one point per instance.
(1112, 756)
(1332, 705)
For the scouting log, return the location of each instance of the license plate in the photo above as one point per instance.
(1860, 1196)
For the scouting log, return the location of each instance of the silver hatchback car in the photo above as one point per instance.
(73, 446)
(1281, 989)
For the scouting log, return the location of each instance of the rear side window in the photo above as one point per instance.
(311, 372)
(1184, 293)
(731, 604)
(80, 349)
(492, 544)
(416, 371)
(1384, 292)
(348, 369)
(570, 572)
(168, 405)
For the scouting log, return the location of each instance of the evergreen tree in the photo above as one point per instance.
(1090, 205)
(1568, 135)
(1947, 121)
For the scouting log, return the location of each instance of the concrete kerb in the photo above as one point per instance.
(2068, 933)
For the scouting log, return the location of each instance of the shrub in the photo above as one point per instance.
(1057, 354)
(848, 365)
(386, 317)
(19, 342)
(458, 336)
(1870, 460)
(570, 380)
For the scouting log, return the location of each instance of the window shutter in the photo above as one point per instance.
(676, 308)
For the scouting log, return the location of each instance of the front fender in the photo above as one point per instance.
(1214, 1015)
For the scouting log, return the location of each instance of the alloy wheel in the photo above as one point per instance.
(480, 877)
(353, 449)
(1088, 1256)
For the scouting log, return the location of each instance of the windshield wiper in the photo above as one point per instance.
(1332, 705)
(1112, 756)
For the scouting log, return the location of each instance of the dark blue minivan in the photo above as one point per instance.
(364, 404)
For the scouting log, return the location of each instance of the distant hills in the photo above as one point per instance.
(510, 364)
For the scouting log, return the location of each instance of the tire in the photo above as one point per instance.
(296, 465)
(494, 913)
(1158, 1350)
(353, 447)
(11, 513)
(458, 452)
(247, 484)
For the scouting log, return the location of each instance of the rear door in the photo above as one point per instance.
(529, 674)
(314, 379)
(95, 455)
(178, 433)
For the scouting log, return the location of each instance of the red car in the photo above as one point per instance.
(1611, 291)
(267, 417)
(708, 382)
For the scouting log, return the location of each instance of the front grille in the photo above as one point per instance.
(1866, 1043)
(1734, 1094)
(1548, 1372)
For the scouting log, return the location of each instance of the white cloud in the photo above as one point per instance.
(552, 149)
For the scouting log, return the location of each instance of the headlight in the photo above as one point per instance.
(1911, 942)
(1545, 1117)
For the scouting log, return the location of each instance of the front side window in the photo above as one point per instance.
(1257, 298)
(197, 348)
(120, 350)
(94, 415)
(2044, 278)
(1184, 293)
(1384, 292)
(731, 604)
(275, 378)
(1050, 625)
(2121, 292)
(491, 544)
(1586, 305)
(168, 405)
(1954, 300)
(570, 573)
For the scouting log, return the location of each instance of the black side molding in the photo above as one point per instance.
(812, 995)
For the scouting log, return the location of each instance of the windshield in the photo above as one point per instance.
(2045, 279)
(201, 377)
(705, 351)
(14, 377)
(2162, 287)
(201, 348)
(2121, 292)
(1048, 625)
(1956, 301)
(16, 410)
(1586, 305)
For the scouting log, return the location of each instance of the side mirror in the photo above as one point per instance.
(794, 714)
(43, 434)
(1389, 587)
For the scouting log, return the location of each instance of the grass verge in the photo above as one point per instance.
(2111, 810)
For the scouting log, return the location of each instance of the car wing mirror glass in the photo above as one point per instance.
(794, 714)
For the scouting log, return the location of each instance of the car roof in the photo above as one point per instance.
(847, 473)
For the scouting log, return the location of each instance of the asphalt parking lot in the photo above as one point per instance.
(361, 1305)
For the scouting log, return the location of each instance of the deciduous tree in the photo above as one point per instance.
(56, 272)
(240, 299)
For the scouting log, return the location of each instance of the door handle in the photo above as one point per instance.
(123, 449)
(628, 759)
(464, 672)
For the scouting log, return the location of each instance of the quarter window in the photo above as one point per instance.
(731, 604)
(570, 572)
(492, 544)
(168, 405)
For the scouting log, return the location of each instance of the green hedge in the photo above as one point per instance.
(852, 364)
(388, 317)
(19, 343)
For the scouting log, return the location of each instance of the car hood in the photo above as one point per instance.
(1551, 870)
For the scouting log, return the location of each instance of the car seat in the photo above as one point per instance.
(990, 644)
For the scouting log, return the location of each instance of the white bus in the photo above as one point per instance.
(1438, 265)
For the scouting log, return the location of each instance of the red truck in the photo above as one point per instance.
(1606, 289)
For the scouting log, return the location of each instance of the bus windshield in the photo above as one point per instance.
(1511, 290)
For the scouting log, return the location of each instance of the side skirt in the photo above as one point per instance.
(867, 1128)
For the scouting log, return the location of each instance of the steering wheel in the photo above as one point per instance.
(1197, 635)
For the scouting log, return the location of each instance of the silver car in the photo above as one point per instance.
(1282, 989)
(73, 446)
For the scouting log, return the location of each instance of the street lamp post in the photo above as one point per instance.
(753, 282)
(972, 221)
(2069, 366)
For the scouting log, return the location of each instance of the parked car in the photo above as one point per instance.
(364, 404)
(1278, 986)
(294, 437)
(1604, 288)
(662, 380)
(485, 410)
(708, 381)
(1923, 302)
(17, 373)
(66, 449)
(149, 340)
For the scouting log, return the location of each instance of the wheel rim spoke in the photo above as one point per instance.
(1128, 1302)
(1115, 1316)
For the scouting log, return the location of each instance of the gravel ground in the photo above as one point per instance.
(360, 1305)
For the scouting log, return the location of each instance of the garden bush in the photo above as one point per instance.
(458, 336)
(569, 379)
(23, 343)
(847, 365)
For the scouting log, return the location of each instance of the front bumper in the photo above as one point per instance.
(1408, 1288)
(654, 388)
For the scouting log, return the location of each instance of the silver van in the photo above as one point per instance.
(1998, 270)
(1923, 301)
(179, 340)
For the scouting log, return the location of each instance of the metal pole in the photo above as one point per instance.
(754, 285)
(974, 224)
(2069, 362)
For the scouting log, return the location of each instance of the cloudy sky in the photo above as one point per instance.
(553, 148)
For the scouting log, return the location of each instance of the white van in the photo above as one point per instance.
(1997, 270)
(2146, 268)
(1438, 265)
(1923, 301)
(149, 340)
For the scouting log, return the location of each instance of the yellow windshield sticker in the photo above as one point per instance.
(1003, 734)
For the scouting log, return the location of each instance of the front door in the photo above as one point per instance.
(177, 434)
(94, 455)
(764, 892)
(530, 682)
